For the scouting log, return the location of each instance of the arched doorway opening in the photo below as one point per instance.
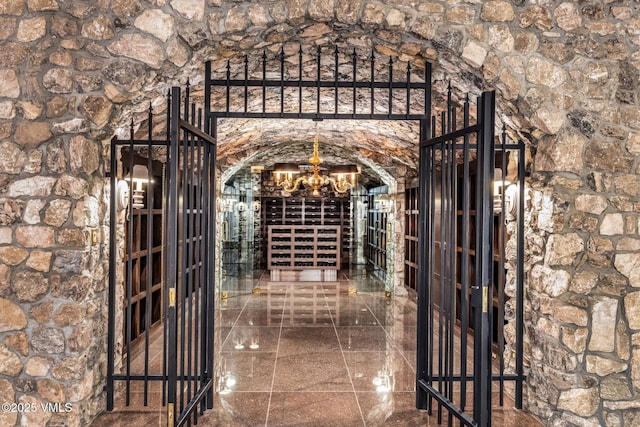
(189, 136)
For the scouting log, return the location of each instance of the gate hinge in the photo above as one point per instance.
(172, 297)
(170, 414)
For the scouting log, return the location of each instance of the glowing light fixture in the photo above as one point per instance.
(342, 178)
(384, 202)
(500, 182)
(139, 176)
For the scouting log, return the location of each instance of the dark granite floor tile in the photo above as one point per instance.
(320, 409)
(228, 317)
(354, 317)
(312, 372)
(260, 300)
(392, 409)
(404, 337)
(301, 340)
(372, 371)
(248, 371)
(259, 317)
(410, 357)
(234, 300)
(130, 418)
(284, 357)
(362, 338)
(237, 409)
(245, 338)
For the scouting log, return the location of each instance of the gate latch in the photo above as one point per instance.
(172, 297)
(170, 414)
(485, 299)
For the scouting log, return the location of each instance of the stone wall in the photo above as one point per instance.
(73, 72)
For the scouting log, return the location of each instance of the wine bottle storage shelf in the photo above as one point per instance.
(465, 257)
(375, 249)
(311, 212)
(411, 238)
(143, 257)
(304, 247)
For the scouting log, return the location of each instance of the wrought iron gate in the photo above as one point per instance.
(174, 269)
(449, 208)
(463, 269)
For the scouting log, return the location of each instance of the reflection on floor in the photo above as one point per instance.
(312, 354)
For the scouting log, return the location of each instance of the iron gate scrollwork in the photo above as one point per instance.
(186, 274)
(463, 267)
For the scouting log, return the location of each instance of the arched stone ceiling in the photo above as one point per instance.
(386, 145)
(378, 145)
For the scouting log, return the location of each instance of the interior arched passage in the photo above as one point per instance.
(386, 149)
(267, 141)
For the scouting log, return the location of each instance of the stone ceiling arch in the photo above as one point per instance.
(464, 58)
(271, 141)
(265, 142)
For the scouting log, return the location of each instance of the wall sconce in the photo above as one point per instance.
(503, 188)
(384, 202)
(139, 176)
(512, 200)
(500, 183)
(511, 197)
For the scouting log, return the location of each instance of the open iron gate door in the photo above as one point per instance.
(460, 328)
(190, 270)
(185, 279)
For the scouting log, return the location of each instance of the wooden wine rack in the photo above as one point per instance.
(309, 247)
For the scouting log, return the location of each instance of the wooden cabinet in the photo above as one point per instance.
(411, 237)
(310, 212)
(467, 259)
(304, 247)
(143, 257)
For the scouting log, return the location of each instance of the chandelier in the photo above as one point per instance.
(342, 178)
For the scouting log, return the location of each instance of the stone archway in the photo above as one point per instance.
(73, 73)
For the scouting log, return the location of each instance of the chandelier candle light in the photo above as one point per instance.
(342, 178)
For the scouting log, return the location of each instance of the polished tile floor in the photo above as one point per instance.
(312, 354)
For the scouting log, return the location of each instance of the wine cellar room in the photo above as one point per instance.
(278, 235)
(167, 165)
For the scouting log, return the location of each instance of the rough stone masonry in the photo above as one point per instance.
(73, 72)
